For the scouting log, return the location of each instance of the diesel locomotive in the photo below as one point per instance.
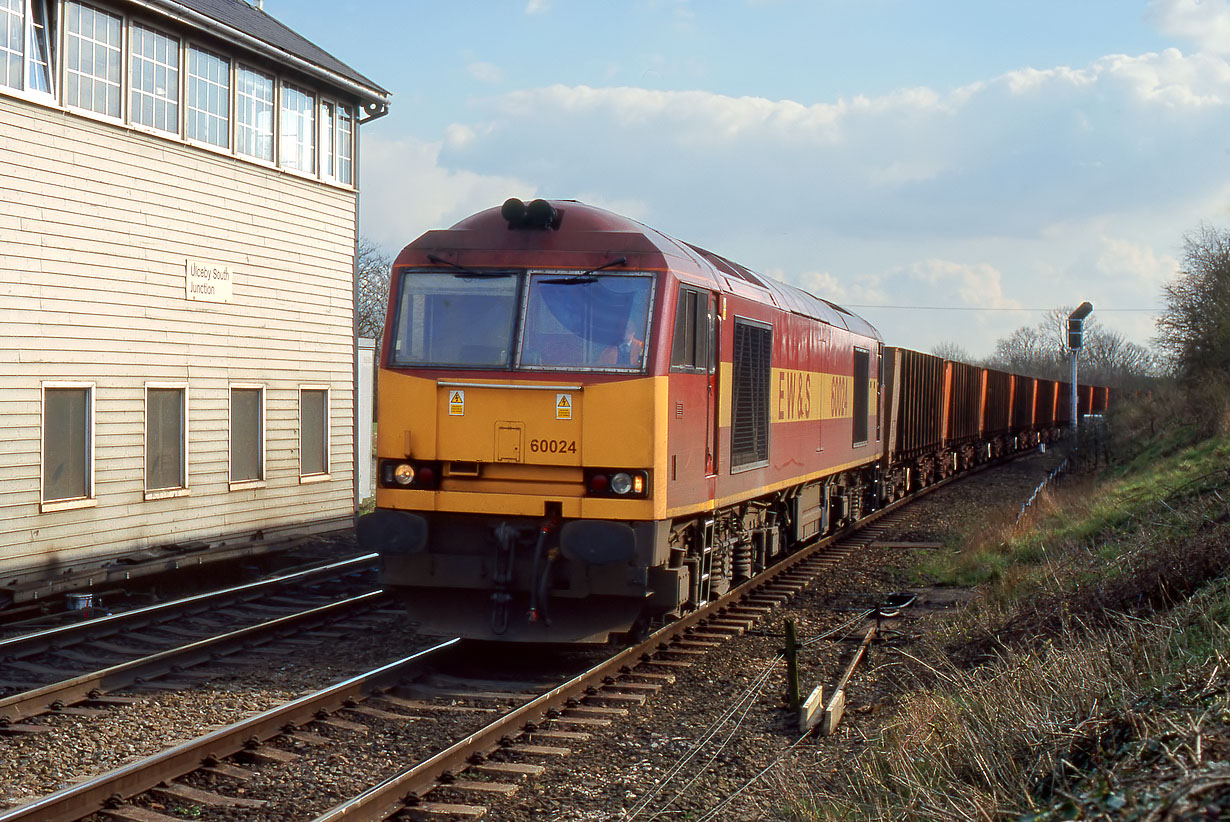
(585, 425)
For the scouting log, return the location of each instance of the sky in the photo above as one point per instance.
(949, 169)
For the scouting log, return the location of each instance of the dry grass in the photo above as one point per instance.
(1030, 732)
(1091, 681)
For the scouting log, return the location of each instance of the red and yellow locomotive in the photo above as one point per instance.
(585, 425)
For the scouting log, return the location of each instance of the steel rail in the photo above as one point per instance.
(59, 694)
(401, 790)
(385, 799)
(93, 795)
(51, 638)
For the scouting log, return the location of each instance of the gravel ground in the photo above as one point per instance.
(76, 747)
(619, 767)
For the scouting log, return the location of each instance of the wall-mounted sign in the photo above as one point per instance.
(456, 403)
(209, 281)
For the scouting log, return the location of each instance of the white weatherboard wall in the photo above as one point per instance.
(97, 226)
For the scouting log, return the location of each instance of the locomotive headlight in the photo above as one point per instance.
(621, 483)
(403, 474)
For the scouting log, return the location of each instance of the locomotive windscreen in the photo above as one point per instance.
(586, 321)
(453, 320)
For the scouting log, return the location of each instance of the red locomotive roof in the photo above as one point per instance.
(583, 232)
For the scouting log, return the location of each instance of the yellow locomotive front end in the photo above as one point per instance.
(520, 433)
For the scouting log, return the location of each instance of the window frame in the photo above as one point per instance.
(698, 336)
(90, 499)
(62, 60)
(522, 329)
(271, 160)
(50, 46)
(326, 430)
(183, 489)
(180, 86)
(262, 436)
(229, 147)
(345, 113)
(312, 129)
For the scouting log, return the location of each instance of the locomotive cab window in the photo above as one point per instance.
(593, 322)
(862, 393)
(452, 320)
(693, 329)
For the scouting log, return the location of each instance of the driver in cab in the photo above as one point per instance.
(627, 354)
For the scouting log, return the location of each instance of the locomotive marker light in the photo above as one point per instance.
(1076, 328)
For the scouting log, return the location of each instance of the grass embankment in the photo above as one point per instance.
(1091, 678)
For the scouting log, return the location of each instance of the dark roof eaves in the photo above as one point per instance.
(285, 45)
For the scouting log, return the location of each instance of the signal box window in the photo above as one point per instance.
(24, 37)
(298, 132)
(451, 320)
(92, 59)
(862, 391)
(165, 439)
(313, 431)
(68, 443)
(690, 349)
(247, 435)
(749, 418)
(209, 98)
(154, 79)
(593, 322)
(345, 145)
(254, 114)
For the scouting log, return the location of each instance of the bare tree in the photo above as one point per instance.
(1105, 357)
(373, 294)
(950, 350)
(1194, 330)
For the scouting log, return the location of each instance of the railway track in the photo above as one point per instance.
(502, 733)
(42, 672)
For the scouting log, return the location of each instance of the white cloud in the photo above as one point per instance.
(406, 191)
(537, 7)
(1131, 262)
(977, 285)
(1018, 191)
(1206, 23)
(486, 72)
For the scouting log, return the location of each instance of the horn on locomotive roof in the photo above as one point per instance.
(538, 214)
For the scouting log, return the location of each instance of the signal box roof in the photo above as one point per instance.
(247, 26)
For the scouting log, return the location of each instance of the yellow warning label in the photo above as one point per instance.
(456, 403)
(563, 406)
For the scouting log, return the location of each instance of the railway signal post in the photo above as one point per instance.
(1076, 327)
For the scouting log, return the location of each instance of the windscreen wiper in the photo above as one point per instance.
(587, 276)
(464, 272)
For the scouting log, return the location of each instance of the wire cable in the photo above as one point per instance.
(753, 780)
(748, 697)
(748, 701)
